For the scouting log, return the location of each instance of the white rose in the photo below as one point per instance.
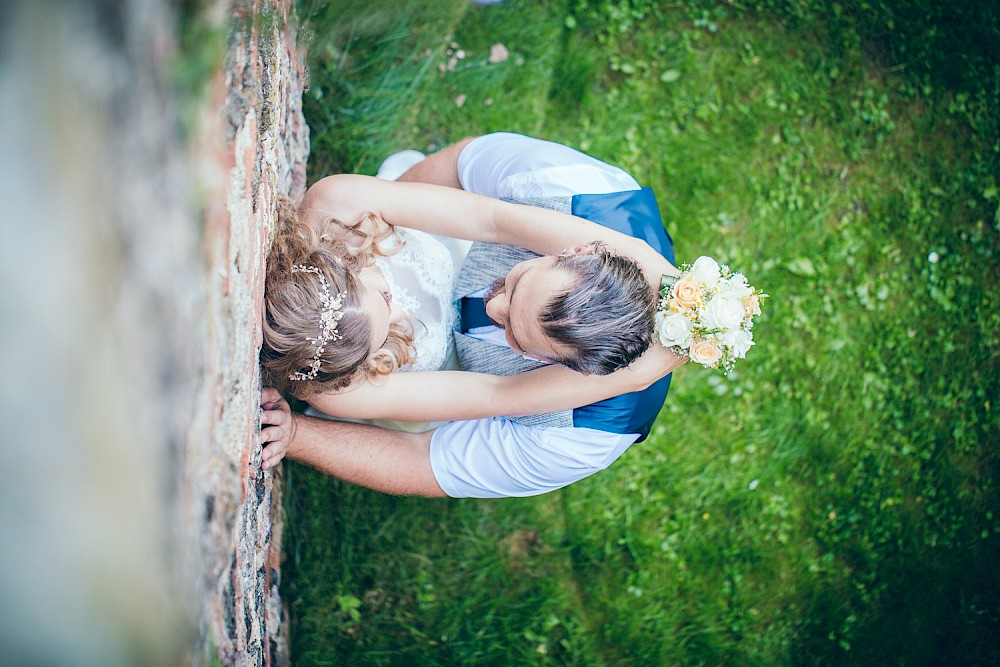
(705, 270)
(735, 287)
(722, 313)
(673, 329)
(738, 341)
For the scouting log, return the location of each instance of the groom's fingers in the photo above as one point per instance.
(272, 461)
(271, 399)
(273, 434)
(272, 458)
(276, 427)
(274, 446)
(274, 417)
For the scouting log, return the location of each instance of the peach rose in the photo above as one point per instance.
(705, 351)
(686, 292)
(751, 305)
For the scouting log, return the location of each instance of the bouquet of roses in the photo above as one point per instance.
(706, 313)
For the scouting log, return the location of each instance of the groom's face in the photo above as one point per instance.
(516, 303)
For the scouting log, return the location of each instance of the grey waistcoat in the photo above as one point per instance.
(485, 263)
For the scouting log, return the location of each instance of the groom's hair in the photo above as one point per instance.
(605, 319)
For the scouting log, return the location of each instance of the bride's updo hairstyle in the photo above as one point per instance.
(306, 273)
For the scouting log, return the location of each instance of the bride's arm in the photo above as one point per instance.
(459, 214)
(451, 395)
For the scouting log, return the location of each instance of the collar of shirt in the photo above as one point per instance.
(492, 333)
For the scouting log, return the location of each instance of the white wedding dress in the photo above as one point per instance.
(421, 277)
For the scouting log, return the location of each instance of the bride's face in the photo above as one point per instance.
(376, 300)
(516, 304)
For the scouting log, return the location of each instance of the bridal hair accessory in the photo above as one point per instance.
(706, 314)
(329, 318)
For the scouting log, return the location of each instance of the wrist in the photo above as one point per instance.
(295, 425)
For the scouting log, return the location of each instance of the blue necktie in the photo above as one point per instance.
(474, 314)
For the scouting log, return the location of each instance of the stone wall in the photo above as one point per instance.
(263, 155)
(138, 185)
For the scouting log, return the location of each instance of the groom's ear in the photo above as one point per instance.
(582, 249)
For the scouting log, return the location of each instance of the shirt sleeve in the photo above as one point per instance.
(497, 457)
(504, 164)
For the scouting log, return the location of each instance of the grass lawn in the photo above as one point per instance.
(832, 501)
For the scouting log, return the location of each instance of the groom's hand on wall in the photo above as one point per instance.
(277, 428)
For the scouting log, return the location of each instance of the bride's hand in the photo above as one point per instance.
(276, 426)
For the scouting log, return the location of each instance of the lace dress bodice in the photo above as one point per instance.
(421, 277)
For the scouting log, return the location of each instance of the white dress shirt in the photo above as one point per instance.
(496, 457)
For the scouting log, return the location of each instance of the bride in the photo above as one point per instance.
(359, 286)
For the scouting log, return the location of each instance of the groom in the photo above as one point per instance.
(501, 456)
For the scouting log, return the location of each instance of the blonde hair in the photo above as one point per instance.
(293, 305)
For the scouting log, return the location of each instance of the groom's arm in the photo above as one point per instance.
(439, 168)
(480, 458)
(378, 458)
